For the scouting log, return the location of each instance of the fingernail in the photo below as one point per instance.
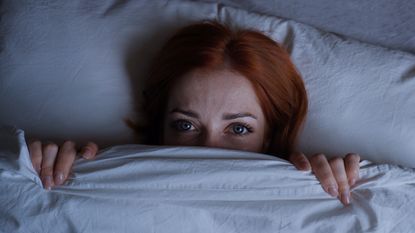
(47, 182)
(352, 181)
(332, 191)
(87, 154)
(59, 178)
(345, 197)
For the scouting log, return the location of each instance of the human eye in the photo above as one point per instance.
(240, 129)
(182, 125)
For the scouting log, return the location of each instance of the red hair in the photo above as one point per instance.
(208, 45)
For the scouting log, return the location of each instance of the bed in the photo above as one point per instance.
(74, 70)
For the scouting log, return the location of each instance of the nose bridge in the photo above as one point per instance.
(212, 140)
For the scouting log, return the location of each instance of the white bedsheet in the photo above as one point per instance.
(136, 188)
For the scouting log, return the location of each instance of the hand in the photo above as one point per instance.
(335, 175)
(54, 163)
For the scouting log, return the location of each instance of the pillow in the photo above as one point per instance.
(74, 70)
(361, 97)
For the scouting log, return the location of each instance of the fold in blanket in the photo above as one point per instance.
(137, 188)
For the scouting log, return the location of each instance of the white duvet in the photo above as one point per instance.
(136, 188)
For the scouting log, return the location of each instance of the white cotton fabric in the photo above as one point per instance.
(137, 188)
(381, 22)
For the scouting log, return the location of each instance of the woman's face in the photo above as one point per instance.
(217, 108)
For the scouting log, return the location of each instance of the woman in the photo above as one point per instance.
(217, 87)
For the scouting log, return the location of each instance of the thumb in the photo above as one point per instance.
(90, 150)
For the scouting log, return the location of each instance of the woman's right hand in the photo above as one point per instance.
(336, 175)
(53, 163)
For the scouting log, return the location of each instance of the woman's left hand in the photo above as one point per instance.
(335, 175)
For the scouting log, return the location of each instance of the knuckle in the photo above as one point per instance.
(326, 176)
(295, 157)
(69, 143)
(318, 157)
(335, 161)
(352, 156)
(68, 147)
(64, 164)
(354, 170)
(323, 174)
(301, 157)
(319, 162)
(35, 155)
(50, 146)
(353, 175)
(60, 163)
(34, 142)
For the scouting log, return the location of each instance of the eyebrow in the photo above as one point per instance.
(226, 116)
(232, 116)
(185, 112)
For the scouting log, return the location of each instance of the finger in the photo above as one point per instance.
(35, 152)
(339, 172)
(90, 150)
(352, 167)
(300, 161)
(64, 161)
(49, 152)
(322, 170)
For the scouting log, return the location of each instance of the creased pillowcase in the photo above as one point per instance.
(74, 69)
(361, 97)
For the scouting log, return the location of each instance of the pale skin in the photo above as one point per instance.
(217, 108)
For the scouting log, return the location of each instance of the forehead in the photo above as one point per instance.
(214, 92)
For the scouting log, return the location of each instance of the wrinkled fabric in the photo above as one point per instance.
(382, 22)
(138, 188)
